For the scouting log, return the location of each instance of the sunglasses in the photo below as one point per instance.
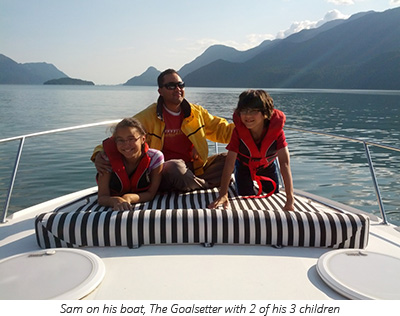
(173, 85)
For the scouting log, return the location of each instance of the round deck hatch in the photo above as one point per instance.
(359, 274)
(50, 274)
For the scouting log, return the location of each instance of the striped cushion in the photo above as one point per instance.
(184, 218)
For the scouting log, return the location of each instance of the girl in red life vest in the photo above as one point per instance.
(257, 140)
(136, 168)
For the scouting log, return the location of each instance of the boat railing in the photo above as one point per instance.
(366, 145)
(22, 139)
(19, 153)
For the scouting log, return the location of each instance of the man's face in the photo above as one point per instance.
(173, 94)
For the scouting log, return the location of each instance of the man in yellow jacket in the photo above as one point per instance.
(180, 129)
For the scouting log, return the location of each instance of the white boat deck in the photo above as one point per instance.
(194, 272)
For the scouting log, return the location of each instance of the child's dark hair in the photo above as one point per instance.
(129, 122)
(256, 99)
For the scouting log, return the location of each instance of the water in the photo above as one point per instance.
(54, 165)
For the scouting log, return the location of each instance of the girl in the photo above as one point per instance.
(257, 139)
(136, 169)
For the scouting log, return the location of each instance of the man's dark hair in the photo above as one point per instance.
(160, 79)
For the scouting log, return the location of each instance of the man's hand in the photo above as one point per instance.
(195, 154)
(102, 163)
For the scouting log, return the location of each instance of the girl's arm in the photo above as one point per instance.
(155, 180)
(225, 180)
(104, 197)
(284, 163)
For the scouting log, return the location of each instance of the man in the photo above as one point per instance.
(180, 129)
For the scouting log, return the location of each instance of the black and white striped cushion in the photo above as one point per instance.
(184, 218)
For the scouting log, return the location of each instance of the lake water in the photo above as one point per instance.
(54, 165)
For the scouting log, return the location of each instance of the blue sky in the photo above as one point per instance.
(110, 41)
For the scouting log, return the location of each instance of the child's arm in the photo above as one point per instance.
(155, 180)
(225, 180)
(104, 197)
(119, 203)
(284, 163)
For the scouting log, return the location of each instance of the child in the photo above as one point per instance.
(136, 169)
(257, 139)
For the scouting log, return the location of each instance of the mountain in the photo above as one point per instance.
(223, 52)
(148, 78)
(310, 33)
(216, 52)
(362, 52)
(12, 72)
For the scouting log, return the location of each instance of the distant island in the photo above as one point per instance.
(69, 81)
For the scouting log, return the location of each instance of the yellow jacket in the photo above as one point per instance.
(198, 125)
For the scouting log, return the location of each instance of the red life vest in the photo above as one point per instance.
(256, 158)
(139, 181)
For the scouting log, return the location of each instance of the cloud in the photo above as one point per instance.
(341, 2)
(394, 2)
(332, 15)
(256, 39)
(306, 25)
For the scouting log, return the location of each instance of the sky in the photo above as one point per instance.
(110, 41)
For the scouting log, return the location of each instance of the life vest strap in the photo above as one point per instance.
(258, 179)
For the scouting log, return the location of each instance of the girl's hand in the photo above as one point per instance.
(221, 200)
(122, 205)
